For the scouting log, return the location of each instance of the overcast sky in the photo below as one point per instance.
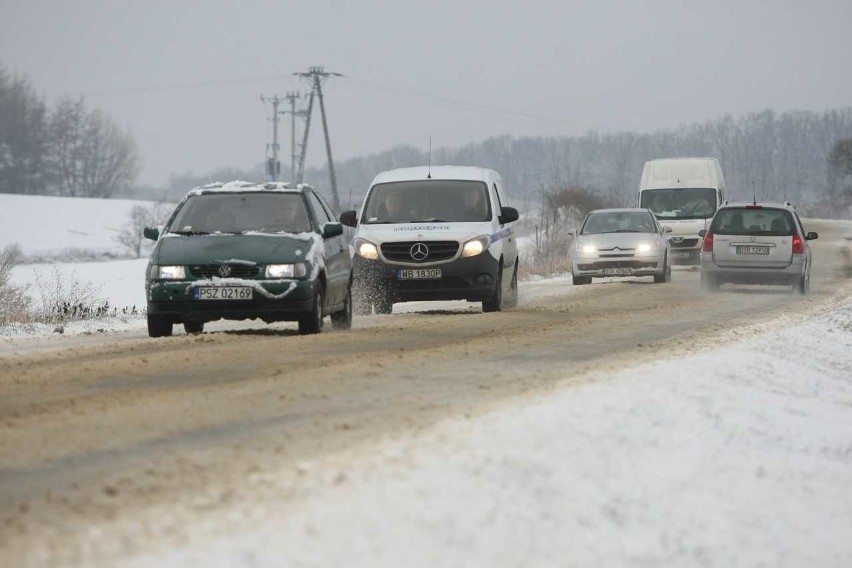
(530, 67)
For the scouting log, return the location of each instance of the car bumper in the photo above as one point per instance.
(272, 300)
(603, 267)
(471, 279)
(785, 275)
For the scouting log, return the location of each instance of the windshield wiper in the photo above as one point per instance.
(189, 233)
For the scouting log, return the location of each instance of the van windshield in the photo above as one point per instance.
(427, 201)
(680, 203)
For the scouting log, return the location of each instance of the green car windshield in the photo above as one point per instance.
(242, 212)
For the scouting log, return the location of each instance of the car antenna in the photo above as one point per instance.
(429, 172)
(753, 193)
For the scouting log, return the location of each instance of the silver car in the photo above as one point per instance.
(621, 242)
(756, 243)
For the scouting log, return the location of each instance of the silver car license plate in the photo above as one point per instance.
(749, 249)
(223, 293)
(680, 254)
(617, 271)
(419, 274)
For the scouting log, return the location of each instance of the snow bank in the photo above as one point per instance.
(739, 456)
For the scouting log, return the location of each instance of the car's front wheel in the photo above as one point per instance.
(581, 280)
(666, 275)
(495, 302)
(311, 322)
(343, 318)
(159, 326)
(193, 327)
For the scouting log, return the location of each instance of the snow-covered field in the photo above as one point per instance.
(738, 456)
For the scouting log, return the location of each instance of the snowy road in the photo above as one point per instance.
(291, 450)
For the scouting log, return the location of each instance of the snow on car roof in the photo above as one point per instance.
(437, 172)
(247, 186)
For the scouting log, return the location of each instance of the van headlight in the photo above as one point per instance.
(286, 270)
(171, 272)
(366, 249)
(475, 246)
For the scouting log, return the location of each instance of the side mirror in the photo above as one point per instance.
(152, 233)
(331, 230)
(349, 218)
(667, 230)
(702, 233)
(811, 236)
(508, 215)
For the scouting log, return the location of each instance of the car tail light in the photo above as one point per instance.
(798, 245)
(708, 243)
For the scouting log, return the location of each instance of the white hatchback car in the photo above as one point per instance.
(621, 242)
(756, 243)
(439, 233)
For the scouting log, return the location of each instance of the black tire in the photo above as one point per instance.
(382, 304)
(158, 326)
(804, 285)
(709, 283)
(343, 318)
(495, 302)
(311, 322)
(666, 276)
(193, 327)
(512, 299)
(581, 280)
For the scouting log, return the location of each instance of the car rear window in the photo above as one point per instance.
(753, 221)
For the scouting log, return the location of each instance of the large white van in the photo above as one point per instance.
(683, 193)
(434, 233)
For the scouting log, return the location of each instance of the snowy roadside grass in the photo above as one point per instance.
(738, 456)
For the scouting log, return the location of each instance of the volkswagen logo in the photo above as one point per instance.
(224, 271)
(419, 251)
(677, 240)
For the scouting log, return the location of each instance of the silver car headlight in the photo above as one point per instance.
(168, 272)
(366, 249)
(476, 246)
(585, 249)
(645, 248)
(286, 270)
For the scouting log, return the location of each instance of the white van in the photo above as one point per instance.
(439, 233)
(684, 194)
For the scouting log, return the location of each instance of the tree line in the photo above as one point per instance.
(67, 150)
(797, 156)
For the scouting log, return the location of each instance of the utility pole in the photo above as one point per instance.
(317, 76)
(273, 168)
(292, 96)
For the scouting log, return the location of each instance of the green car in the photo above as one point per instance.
(244, 251)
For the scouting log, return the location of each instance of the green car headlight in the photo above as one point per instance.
(171, 272)
(286, 270)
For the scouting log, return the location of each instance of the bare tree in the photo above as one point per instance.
(139, 217)
(93, 156)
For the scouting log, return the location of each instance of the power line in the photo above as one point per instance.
(461, 103)
(179, 86)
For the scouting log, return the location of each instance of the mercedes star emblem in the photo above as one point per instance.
(224, 271)
(419, 251)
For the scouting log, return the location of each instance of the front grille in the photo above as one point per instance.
(237, 270)
(438, 250)
(634, 264)
(685, 243)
